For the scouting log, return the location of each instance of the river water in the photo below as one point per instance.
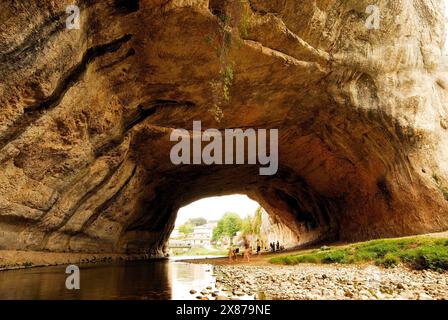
(159, 279)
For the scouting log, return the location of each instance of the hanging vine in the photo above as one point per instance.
(229, 19)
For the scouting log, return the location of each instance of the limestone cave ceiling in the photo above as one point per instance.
(86, 116)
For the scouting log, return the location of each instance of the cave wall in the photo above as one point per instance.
(272, 230)
(86, 116)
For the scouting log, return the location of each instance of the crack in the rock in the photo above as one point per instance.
(35, 112)
(147, 109)
(75, 74)
(144, 111)
(129, 53)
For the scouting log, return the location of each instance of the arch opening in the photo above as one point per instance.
(285, 197)
(210, 226)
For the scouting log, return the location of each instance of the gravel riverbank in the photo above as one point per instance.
(330, 282)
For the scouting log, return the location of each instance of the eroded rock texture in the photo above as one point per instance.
(86, 115)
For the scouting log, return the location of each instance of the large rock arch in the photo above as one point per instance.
(86, 116)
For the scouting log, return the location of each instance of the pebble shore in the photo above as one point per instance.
(330, 282)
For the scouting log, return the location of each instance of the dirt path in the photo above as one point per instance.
(257, 260)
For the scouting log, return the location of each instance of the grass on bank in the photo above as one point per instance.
(416, 252)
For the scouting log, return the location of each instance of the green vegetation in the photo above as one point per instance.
(199, 251)
(244, 24)
(440, 185)
(416, 252)
(231, 223)
(198, 221)
(252, 224)
(227, 81)
(221, 42)
(228, 226)
(188, 226)
(216, 112)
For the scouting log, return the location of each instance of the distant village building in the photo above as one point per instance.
(200, 237)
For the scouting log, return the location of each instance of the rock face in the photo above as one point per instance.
(86, 116)
(273, 230)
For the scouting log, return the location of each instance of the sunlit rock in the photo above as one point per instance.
(86, 115)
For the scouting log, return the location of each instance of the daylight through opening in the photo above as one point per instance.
(219, 226)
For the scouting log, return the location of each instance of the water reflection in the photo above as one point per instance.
(164, 279)
(186, 276)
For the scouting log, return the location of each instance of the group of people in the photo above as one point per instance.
(274, 246)
(234, 251)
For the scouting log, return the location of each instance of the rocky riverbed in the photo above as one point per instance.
(313, 282)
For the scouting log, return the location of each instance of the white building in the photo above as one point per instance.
(202, 235)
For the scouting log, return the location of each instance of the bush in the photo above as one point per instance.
(434, 257)
(389, 260)
(307, 258)
(333, 257)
